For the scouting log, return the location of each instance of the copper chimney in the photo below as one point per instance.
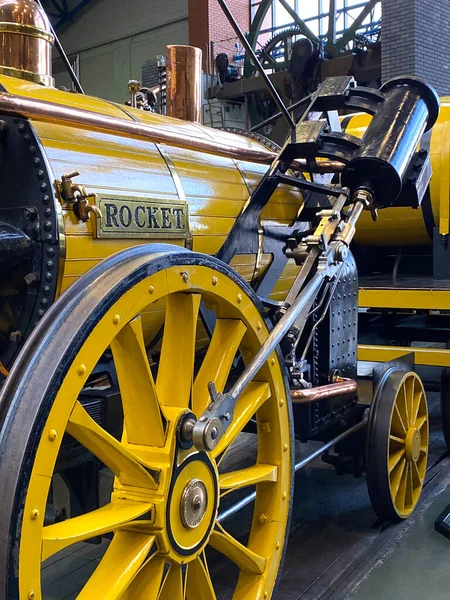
(26, 41)
(184, 83)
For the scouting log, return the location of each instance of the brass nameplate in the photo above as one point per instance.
(141, 218)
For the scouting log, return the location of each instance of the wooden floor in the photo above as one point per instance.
(333, 525)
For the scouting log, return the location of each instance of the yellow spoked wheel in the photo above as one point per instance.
(163, 516)
(397, 445)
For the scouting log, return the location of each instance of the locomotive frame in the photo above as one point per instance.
(217, 358)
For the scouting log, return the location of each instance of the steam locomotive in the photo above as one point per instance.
(165, 287)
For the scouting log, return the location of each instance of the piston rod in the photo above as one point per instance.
(232, 510)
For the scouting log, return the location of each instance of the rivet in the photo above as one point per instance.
(285, 448)
(215, 281)
(33, 150)
(266, 594)
(34, 514)
(31, 595)
(116, 319)
(239, 298)
(283, 496)
(40, 174)
(52, 435)
(43, 187)
(277, 546)
(262, 518)
(258, 326)
(81, 370)
(21, 128)
(281, 402)
(50, 252)
(46, 198)
(272, 362)
(185, 277)
(27, 138)
(48, 225)
(151, 289)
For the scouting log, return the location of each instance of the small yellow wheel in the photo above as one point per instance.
(163, 515)
(397, 445)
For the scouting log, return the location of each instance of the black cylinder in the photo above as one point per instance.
(411, 107)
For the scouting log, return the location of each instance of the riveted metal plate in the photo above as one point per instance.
(131, 217)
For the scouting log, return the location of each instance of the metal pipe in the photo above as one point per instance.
(302, 463)
(64, 58)
(157, 133)
(79, 117)
(273, 92)
(184, 83)
(323, 392)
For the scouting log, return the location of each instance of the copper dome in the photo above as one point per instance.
(26, 41)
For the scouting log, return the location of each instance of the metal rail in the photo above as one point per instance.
(229, 512)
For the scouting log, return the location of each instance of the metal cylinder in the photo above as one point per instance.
(26, 41)
(323, 392)
(411, 107)
(184, 83)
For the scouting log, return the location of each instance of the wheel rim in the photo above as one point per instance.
(408, 444)
(163, 511)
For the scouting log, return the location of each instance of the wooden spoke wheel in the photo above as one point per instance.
(397, 445)
(162, 517)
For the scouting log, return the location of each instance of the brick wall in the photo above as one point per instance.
(207, 23)
(413, 40)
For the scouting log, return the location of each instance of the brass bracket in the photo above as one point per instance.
(76, 195)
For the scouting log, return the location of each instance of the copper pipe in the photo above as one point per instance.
(184, 83)
(343, 387)
(161, 133)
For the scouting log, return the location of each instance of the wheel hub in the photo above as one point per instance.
(413, 444)
(194, 502)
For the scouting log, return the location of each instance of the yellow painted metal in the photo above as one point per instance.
(144, 558)
(420, 298)
(405, 226)
(423, 356)
(215, 188)
(408, 445)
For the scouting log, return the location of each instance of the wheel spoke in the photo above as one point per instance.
(396, 478)
(409, 496)
(216, 365)
(416, 475)
(420, 422)
(401, 494)
(396, 440)
(142, 414)
(105, 447)
(244, 558)
(147, 583)
(176, 364)
(404, 405)
(124, 557)
(172, 587)
(395, 458)
(245, 477)
(109, 518)
(253, 398)
(398, 426)
(417, 400)
(198, 584)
